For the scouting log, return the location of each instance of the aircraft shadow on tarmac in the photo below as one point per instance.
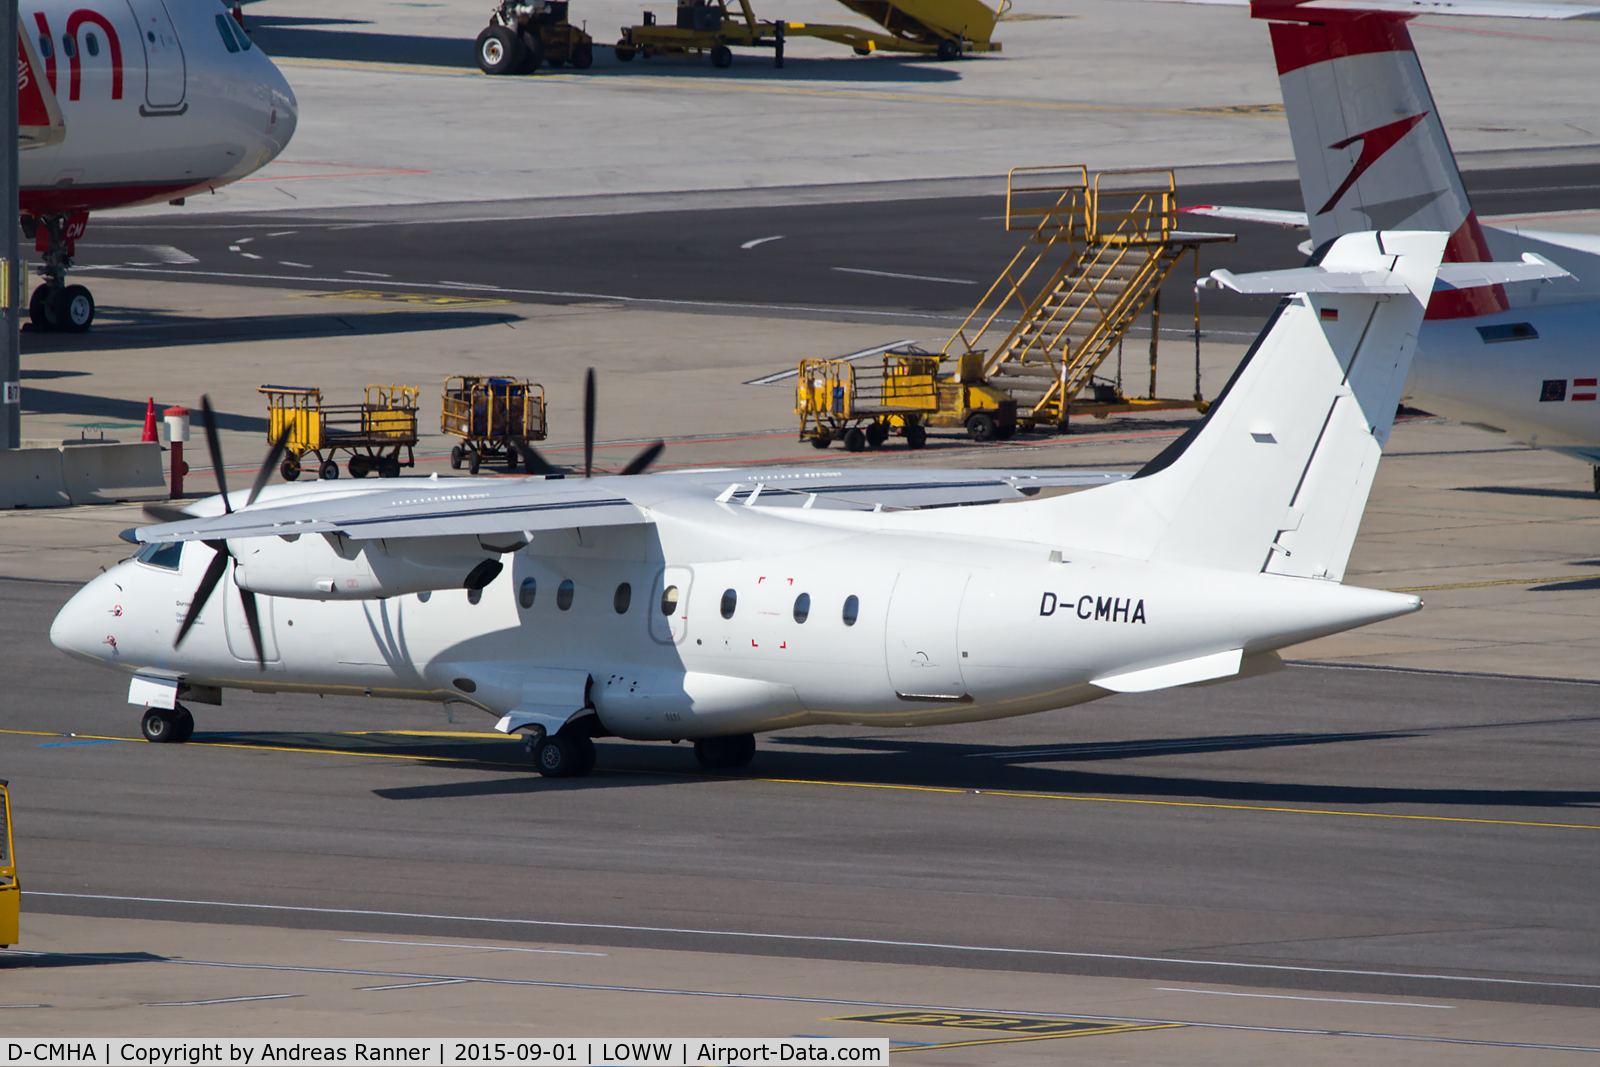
(53, 402)
(1527, 490)
(21, 960)
(147, 329)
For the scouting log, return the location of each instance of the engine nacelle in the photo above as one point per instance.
(335, 567)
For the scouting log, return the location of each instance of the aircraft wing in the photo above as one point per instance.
(1270, 216)
(776, 486)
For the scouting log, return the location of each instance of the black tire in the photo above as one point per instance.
(498, 51)
(916, 436)
(949, 50)
(725, 753)
(389, 467)
(558, 757)
(1597, 481)
(455, 457)
(1004, 431)
(474, 461)
(625, 52)
(161, 726)
(359, 466)
(511, 460)
(722, 57)
(586, 754)
(582, 57)
(74, 309)
(532, 52)
(39, 309)
(329, 471)
(290, 469)
(877, 434)
(854, 439)
(824, 439)
(185, 726)
(980, 427)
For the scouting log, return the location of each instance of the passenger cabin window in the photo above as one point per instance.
(564, 594)
(802, 607)
(166, 555)
(92, 43)
(425, 596)
(69, 47)
(730, 600)
(474, 595)
(47, 50)
(669, 600)
(852, 608)
(623, 597)
(526, 592)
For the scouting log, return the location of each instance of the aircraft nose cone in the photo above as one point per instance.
(74, 628)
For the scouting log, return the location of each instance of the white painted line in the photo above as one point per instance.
(301, 909)
(368, 274)
(760, 241)
(233, 248)
(481, 948)
(410, 985)
(785, 375)
(282, 233)
(169, 254)
(243, 240)
(221, 1000)
(286, 263)
(1319, 1000)
(4, 1006)
(907, 277)
(249, 255)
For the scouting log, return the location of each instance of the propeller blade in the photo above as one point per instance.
(644, 459)
(273, 456)
(247, 600)
(533, 461)
(588, 423)
(215, 445)
(166, 513)
(202, 593)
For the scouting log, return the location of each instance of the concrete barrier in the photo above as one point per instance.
(31, 478)
(100, 474)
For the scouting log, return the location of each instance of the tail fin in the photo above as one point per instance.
(1275, 477)
(1370, 147)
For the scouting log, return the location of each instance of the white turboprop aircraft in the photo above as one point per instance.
(714, 604)
(128, 102)
(1512, 350)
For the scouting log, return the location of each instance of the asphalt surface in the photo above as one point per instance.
(917, 260)
(1330, 829)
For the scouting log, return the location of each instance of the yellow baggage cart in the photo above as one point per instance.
(862, 406)
(10, 889)
(492, 415)
(375, 433)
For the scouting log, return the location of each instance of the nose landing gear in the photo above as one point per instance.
(166, 727)
(55, 305)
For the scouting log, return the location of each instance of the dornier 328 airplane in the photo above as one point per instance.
(710, 605)
(1511, 350)
(129, 102)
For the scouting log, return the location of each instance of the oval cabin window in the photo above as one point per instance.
(623, 597)
(730, 600)
(564, 594)
(669, 600)
(802, 607)
(526, 591)
(852, 608)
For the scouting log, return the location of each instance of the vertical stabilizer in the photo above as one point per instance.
(1275, 477)
(1370, 147)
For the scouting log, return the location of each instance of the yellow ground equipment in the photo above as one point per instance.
(1096, 257)
(836, 400)
(491, 415)
(945, 28)
(524, 33)
(373, 433)
(10, 889)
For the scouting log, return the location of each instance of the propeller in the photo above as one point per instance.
(221, 554)
(536, 464)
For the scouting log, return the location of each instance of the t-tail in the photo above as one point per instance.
(1370, 147)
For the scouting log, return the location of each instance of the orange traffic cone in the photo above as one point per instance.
(149, 422)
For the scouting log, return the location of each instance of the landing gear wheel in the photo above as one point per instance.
(586, 754)
(329, 471)
(980, 427)
(74, 309)
(165, 727)
(290, 469)
(474, 461)
(499, 51)
(389, 467)
(625, 52)
(359, 466)
(558, 757)
(823, 440)
(582, 57)
(949, 50)
(39, 309)
(725, 753)
(532, 53)
(854, 439)
(455, 457)
(722, 57)
(916, 437)
(877, 434)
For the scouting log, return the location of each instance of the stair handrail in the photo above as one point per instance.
(1151, 202)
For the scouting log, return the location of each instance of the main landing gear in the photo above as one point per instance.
(55, 305)
(569, 754)
(167, 727)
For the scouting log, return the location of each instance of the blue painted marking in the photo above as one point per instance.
(66, 744)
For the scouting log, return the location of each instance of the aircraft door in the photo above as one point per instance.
(669, 605)
(164, 69)
(920, 644)
(238, 630)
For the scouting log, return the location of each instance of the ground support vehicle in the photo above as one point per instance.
(10, 889)
(492, 416)
(521, 35)
(374, 433)
(945, 28)
(862, 406)
(966, 400)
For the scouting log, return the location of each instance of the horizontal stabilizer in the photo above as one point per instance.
(1323, 279)
(1533, 268)
(1184, 672)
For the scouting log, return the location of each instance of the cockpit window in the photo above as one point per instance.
(233, 34)
(166, 555)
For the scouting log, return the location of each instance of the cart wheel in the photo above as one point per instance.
(389, 467)
(290, 469)
(582, 57)
(359, 466)
(877, 434)
(625, 52)
(916, 437)
(722, 57)
(949, 50)
(455, 457)
(499, 51)
(329, 470)
(474, 461)
(822, 440)
(980, 427)
(854, 439)
(511, 458)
